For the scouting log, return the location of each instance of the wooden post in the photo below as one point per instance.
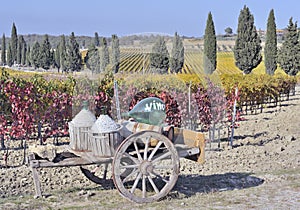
(2, 145)
(37, 183)
(33, 166)
(189, 108)
(117, 100)
(40, 138)
(233, 117)
(201, 145)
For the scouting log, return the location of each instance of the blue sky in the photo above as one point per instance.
(125, 17)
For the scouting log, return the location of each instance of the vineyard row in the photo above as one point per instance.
(34, 105)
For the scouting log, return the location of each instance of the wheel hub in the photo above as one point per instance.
(146, 167)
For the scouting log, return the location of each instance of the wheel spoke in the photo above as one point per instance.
(144, 186)
(135, 183)
(159, 176)
(153, 184)
(95, 169)
(130, 175)
(131, 158)
(155, 150)
(129, 166)
(161, 156)
(137, 151)
(146, 148)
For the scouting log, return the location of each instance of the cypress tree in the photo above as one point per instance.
(14, 43)
(23, 53)
(74, 60)
(19, 49)
(57, 57)
(247, 48)
(104, 55)
(3, 51)
(35, 55)
(10, 61)
(210, 46)
(28, 59)
(45, 53)
(177, 55)
(289, 53)
(159, 57)
(270, 50)
(115, 53)
(92, 59)
(62, 53)
(96, 40)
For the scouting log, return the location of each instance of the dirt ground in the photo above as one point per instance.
(261, 171)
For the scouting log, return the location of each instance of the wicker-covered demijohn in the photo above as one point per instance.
(79, 129)
(105, 136)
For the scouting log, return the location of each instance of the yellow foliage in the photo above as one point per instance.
(153, 82)
(83, 54)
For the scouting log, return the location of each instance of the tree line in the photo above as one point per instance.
(247, 50)
(65, 56)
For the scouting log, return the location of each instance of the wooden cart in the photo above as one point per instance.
(145, 165)
(144, 158)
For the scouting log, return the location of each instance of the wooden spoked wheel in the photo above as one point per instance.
(145, 167)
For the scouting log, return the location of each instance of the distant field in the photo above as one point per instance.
(137, 60)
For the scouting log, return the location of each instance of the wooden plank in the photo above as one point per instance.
(187, 152)
(64, 163)
(191, 139)
(85, 158)
(79, 161)
(130, 127)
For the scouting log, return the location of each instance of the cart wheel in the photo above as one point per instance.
(143, 173)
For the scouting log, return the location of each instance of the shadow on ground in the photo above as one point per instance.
(189, 185)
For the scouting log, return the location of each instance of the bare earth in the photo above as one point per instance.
(261, 171)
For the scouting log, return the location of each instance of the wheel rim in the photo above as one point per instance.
(144, 173)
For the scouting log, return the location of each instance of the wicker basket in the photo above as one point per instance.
(105, 136)
(79, 129)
